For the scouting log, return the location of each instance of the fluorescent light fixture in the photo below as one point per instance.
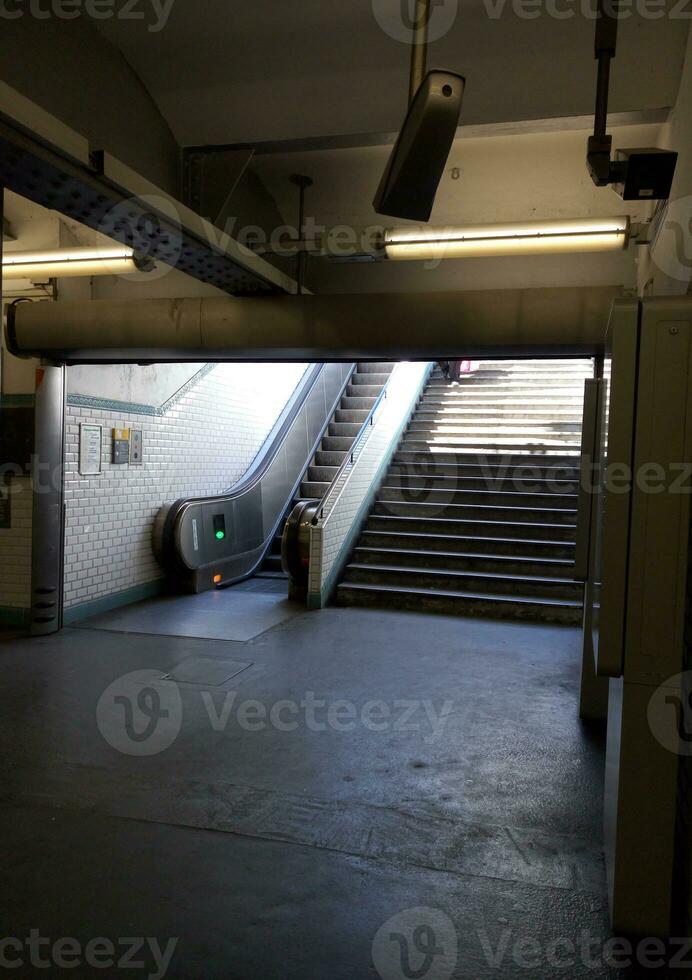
(61, 262)
(529, 238)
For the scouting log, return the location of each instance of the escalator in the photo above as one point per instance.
(213, 542)
(357, 402)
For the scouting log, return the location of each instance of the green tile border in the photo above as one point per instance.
(135, 408)
(11, 616)
(75, 614)
(17, 401)
(110, 405)
(181, 392)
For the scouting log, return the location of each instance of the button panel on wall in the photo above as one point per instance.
(121, 447)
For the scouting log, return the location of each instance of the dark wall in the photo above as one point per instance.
(70, 70)
(16, 438)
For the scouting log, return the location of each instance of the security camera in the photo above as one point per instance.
(642, 174)
(415, 168)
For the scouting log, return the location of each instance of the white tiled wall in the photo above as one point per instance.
(328, 538)
(15, 549)
(201, 445)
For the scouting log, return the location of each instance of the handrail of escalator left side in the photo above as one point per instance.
(167, 515)
(239, 557)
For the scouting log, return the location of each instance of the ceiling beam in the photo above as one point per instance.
(96, 190)
(375, 326)
(349, 141)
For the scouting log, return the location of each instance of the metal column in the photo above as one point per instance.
(593, 700)
(48, 520)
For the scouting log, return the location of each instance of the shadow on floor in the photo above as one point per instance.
(341, 791)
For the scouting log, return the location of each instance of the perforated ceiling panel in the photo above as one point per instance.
(42, 176)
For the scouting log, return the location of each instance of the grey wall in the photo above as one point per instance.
(672, 255)
(69, 69)
(266, 71)
(148, 385)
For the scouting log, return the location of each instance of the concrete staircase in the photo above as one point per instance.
(477, 513)
(362, 392)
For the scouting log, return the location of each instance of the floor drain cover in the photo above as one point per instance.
(205, 670)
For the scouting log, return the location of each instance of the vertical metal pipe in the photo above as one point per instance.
(419, 48)
(302, 183)
(602, 86)
(300, 264)
(587, 463)
(605, 47)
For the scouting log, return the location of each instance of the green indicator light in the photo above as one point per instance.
(220, 535)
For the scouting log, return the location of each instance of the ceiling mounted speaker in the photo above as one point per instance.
(418, 160)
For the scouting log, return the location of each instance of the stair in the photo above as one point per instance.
(477, 513)
(360, 395)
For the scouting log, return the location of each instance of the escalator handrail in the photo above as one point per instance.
(294, 549)
(260, 464)
(349, 460)
(273, 442)
(271, 445)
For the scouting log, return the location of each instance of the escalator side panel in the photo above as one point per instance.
(219, 540)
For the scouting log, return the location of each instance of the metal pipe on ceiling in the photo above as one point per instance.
(115, 201)
(374, 326)
(419, 46)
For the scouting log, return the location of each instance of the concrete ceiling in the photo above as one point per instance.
(505, 178)
(225, 71)
(302, 69)
(522, 177)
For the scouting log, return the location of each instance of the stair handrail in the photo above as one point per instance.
(313, 515)
(349, 458)
(314, 572)
(356, 449)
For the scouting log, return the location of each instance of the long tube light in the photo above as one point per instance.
(529, 238)
(62, 262)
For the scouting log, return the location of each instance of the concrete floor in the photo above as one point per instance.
(429, 835)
